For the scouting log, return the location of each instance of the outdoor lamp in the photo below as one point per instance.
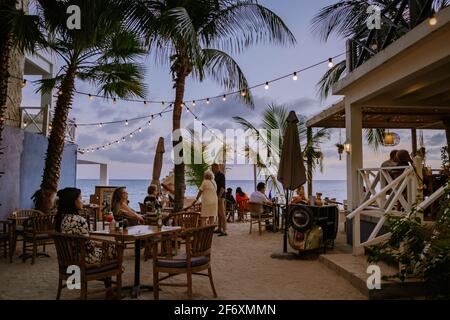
(347, 146)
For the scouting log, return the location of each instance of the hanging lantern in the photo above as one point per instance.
(340, 148)
(391, 139)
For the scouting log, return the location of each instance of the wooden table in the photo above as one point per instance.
(137, 234)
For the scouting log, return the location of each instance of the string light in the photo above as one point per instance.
(126, 122)
(330, 63)
(224, 98)
(115, 100)
(131, 135)
(90, 97)
(294, 75)
(60, 92)
(123, 139)
(23, 84)
(149, 123)
(243, 93)
(140, 130)
(432, 21)
(100, 125)
(207, 101)
(266, 86)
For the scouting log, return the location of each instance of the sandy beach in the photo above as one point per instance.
(242, 269)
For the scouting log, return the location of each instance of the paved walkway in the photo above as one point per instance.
(242, 269)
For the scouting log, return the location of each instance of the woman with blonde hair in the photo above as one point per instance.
(208, 192)
(120, 208)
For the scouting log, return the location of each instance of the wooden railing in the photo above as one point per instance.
(38, 120)
(383, 195)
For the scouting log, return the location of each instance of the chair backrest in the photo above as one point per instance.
(42, 224)
(196, 208)
(24, 214)
(201, 240)
(70, 249)
(186, 220)
(143, 208)
(254, 207)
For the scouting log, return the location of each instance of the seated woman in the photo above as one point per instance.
(120, 208)
(241, 203)
(69, 221)
(300, 198)
(152, 198)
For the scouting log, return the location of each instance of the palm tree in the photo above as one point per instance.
(274, 122)
(348, 19)
(192, 36)
(195, 171)
(103, 53)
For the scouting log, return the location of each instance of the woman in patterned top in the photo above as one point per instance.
(69, 221)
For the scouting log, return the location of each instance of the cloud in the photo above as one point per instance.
(438, 139)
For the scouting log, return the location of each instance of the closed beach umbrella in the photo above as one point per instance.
(291, 170)
(157, 163)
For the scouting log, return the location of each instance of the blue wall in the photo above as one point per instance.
(23, 164)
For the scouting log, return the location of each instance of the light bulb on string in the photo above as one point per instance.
(60, 92)
(114, 100)
(160, 115)
(224, 98)
(193, 103)
(330, 63)
(140, 130)
(295, 76)
(432, 21)
(100, 125)
(90, 97)
(131, 135)
(126, 122)
(207, 101)
(145, 102)
(149, 123)
(123, 139)
(243, 93)
(23, 84)
(163, 103)
(103, 148)
(266, 86)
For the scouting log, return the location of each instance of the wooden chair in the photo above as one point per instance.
(196, 259)
(230, 209)
(20, 216)
(36, 232)
(258, 216)
(71, 251)
(185, 220)
(6, 239)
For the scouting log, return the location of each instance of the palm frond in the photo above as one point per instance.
(374, 138)
(226, 71)
(330, 78)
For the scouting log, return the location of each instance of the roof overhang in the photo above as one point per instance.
(80, 161)
(388, 117)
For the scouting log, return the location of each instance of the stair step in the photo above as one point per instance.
(354, 269)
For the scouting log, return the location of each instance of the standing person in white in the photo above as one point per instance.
(208, 192)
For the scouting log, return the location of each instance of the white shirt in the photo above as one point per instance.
(258, 197)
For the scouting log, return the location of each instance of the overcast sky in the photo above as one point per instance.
(133, 159)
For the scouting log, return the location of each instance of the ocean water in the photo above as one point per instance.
(137, 189)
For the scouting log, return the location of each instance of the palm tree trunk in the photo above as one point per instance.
(180, 184)
(55, 148)
(309, 163)
(447, 134)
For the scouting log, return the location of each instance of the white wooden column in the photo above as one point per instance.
(104, 180)
(353, 125)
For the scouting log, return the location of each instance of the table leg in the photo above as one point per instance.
(135, 291)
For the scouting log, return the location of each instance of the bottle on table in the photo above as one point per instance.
(159, 218)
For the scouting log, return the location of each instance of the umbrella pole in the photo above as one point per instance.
(285, 240)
